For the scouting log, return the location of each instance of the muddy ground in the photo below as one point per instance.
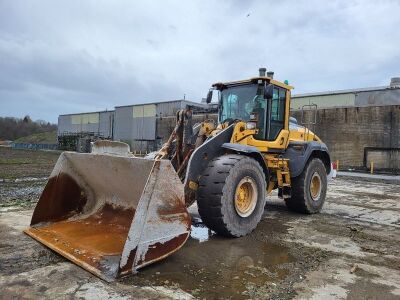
(349, 251)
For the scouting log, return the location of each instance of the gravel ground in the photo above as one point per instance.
(23, 174)
(348, 251)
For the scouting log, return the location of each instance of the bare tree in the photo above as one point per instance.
(14, 128)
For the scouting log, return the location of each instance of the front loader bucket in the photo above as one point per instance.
(111, 214)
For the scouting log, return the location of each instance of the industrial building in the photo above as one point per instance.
(374, 96)
(134, 124)
(100, 123)
(137, 124)
(76, 131)
(361, 127)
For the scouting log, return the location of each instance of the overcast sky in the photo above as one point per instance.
(60, 57)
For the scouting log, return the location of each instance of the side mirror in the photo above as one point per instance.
(209, 96)
(268, 91)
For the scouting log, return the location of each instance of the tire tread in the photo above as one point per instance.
(211, 191)
(298, 201)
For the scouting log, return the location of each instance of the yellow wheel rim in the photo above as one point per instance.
(246, 196)
(315, 186)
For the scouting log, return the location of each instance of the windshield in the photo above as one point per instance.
(238, 102)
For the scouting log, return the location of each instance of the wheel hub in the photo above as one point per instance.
(246, 196)
(315, 186)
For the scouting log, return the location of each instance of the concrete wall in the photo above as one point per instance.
(383, 97)
(383, 158)
(348, 131)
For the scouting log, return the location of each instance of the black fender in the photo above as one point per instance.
(299, 153)
(250, 151)
(210, 149)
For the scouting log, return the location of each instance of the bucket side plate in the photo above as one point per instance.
(161, 224)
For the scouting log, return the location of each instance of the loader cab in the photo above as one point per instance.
(262, 103)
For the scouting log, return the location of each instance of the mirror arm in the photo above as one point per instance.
(209, 96)
(268, 91)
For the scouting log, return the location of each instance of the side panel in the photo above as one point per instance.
(106, 123)
(144, 122)
(144, 128)
(123, 123)
(298, 154)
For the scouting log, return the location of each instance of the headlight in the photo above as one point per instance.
(251, 125)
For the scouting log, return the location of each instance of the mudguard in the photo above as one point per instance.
(250, 151)
(298, 154)
(210, 149)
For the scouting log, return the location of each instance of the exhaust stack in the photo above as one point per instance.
(395, 82)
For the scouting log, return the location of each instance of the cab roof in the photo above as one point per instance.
(254, 80)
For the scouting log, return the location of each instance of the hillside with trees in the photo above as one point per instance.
(15, 128)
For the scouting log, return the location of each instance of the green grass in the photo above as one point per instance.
(14, 161)
(7, 176)
(19, 163)
(43, 138)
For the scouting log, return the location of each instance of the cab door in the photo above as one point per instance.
(276, 108)
(277, 132)
(272, 121)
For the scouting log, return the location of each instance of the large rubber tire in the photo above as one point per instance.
(301, 200)
(216, 192)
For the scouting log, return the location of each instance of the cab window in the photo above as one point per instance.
(277, 115)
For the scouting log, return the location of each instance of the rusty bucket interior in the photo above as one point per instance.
(111, 214)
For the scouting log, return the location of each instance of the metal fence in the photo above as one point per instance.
(34, 146)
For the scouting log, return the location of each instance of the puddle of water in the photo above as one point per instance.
(210, 266)
(24, 179)
(201, 234)
(199, 231)
(28, 179)
(8, 208)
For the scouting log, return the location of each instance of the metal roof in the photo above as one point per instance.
(254, 79)
(349, 91)
(169, 101)
(89, 112)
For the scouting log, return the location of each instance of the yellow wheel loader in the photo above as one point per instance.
(113, 213)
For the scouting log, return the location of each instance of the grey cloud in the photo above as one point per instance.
(72, 56)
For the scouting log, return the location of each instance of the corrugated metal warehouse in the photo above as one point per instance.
(134, 124)
(99, 123)
(137, 124)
